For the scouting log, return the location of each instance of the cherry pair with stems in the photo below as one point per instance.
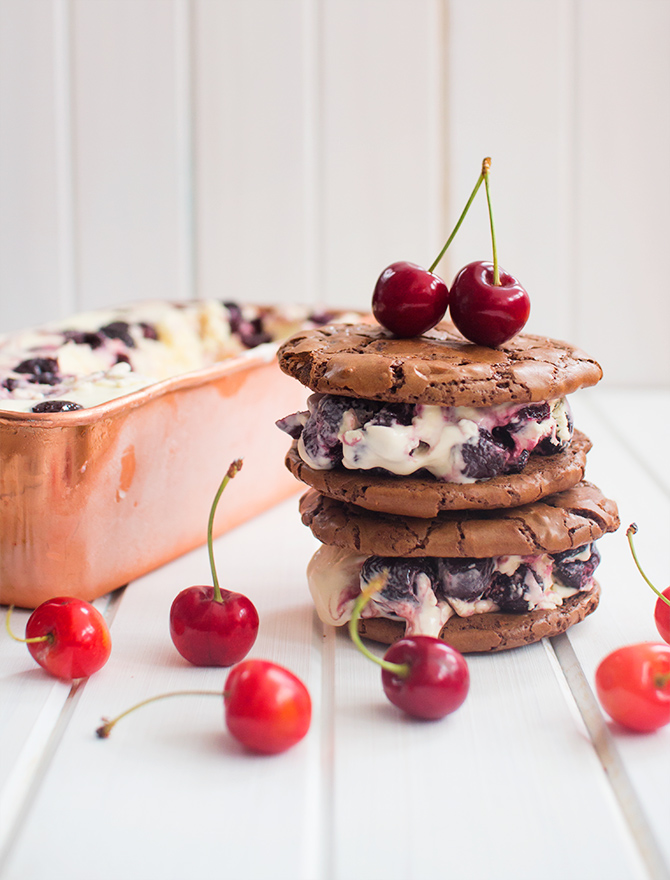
(488, 305)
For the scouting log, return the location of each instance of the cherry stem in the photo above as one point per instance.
(49, 637)
(486, 168)
(480, 180)
(105, 729)
(234, 468)
(632, 530)
(375, 585)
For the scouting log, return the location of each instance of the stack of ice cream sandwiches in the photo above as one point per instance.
(452, 469)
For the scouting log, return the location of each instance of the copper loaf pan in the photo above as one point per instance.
(92, 499)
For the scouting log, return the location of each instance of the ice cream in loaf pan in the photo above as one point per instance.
(94, 498)
(97, 356)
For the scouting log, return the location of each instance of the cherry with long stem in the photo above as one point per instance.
(421, 675)
(488, 305)
(266, 707)
(68, 637)
(210, 626)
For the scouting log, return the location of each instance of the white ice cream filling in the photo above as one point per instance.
(334, 578)
(437, 440)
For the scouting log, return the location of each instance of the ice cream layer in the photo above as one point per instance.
(426, 591)
(97, 356)
(456, 443)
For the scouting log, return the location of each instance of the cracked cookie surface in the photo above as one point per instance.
(556, 523)
(440, 367)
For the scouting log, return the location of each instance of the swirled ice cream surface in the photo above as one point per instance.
(460, 444)
(96, 356)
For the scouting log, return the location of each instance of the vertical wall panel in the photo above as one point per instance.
(382, 150)
(250, 145)
(624, 187)
(31, 270)
(266, 150)
(509, 70)
(128, 209)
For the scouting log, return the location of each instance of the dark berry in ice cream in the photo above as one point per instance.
(54, 406)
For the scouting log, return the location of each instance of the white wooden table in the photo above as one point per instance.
(526, 780)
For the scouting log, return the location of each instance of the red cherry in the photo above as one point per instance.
(420, 674)
(409, 300)
(68, 637)
(267, 708)
(431, 678)
(633, 686)
(662, 615)
(207, 632)
(487, 313)
(210, 626)
(488, 305)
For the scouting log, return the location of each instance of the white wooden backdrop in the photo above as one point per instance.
(278, 150)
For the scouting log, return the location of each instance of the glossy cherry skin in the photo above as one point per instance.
(79, 641)
(662, 616)
(267, 708)
(211, 633)
(485, 313)
(409, 300)
(437, 682)
(633, 686)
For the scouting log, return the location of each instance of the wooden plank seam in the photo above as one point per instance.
(40, 748)
(33, 764)
(605, 747)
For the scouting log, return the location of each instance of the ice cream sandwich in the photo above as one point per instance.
(481, 580)
(452, 469)
(418, 425)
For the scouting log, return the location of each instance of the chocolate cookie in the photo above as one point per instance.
(556, 523)
(418, 496)
(494, 631)
(440, 367)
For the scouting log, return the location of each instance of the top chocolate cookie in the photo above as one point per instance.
(440, 367)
